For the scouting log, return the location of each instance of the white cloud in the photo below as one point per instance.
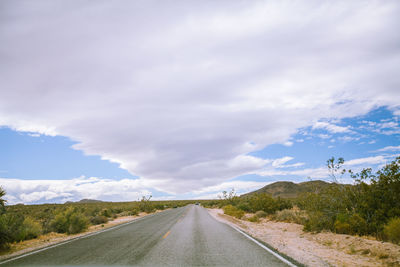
(281, 161)
(56, 191)
(348, 138)
(179, 95)
(314, 173)
(288, 143)
(389, 148)
(330, 128)
(366, 161)
(34, 134)
(239, 187)
(324, 136)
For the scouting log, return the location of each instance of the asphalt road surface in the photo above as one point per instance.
(186, 236)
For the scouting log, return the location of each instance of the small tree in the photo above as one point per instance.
(146, 205)
(229, 198)
(335, 168)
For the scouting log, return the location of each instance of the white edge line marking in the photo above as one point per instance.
(264, 247)
(76, 238)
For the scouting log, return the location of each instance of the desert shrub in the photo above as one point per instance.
(233, 211)
(290, 215)
(46, 224)
(244, 205)
(133, 212)
(70, 221)
(159, 206)
(106, 213)
(229, 198)
(342, 225)
(16, 228)
(145, 205)
(363, 208)
(358, 225)
(316, 222)
(98, 220)
(30, 229)
(116, 210)
(60, 224)
(254, 218)
(77, 223)
(263, 202)
(4, 233)
(283, 204)
(14, 224)
(392, 230)
(261, 214)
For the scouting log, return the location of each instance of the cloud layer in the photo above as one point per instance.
(179, 93)
(56, 191)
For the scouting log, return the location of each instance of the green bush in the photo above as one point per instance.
(392, 230)
(4, 233)
(14, 224)
(342, 227)
(106, 213)
(263, 202)
(316, 222)
(30, 229)
(146, 205)
(77, 223)
(70, 221)
(290, 215)
(16, 228)
(244, 205)
(233, 211)
(254, 218)
(133, 212)
(98, 220)
(159, 206)
(60, 223)
(358, 225)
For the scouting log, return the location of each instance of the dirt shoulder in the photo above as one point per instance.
(322, 249)
(49, 239)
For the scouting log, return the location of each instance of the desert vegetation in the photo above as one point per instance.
(370, 206)
(23, 222)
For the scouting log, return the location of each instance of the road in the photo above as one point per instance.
(186, 236)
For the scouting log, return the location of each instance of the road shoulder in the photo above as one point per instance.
(323, 249)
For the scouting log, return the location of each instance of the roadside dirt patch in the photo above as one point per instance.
(54, 238)
(322, 249)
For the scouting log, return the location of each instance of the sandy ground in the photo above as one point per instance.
(54, 238)
(322, 249)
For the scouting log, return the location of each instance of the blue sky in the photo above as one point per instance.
(116, 100)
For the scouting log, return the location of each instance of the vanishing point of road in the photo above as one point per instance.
(186, 236)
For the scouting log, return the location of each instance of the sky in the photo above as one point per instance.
(114, 100)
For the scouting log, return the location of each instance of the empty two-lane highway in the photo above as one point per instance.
(186, 236)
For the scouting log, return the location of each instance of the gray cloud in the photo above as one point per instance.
(178, 92)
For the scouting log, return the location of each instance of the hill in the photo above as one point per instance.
(290, 189)
(85, 200)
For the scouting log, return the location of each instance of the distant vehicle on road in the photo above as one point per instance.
(197, 203)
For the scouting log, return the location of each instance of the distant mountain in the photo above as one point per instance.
(290, 189)
(85, 200)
